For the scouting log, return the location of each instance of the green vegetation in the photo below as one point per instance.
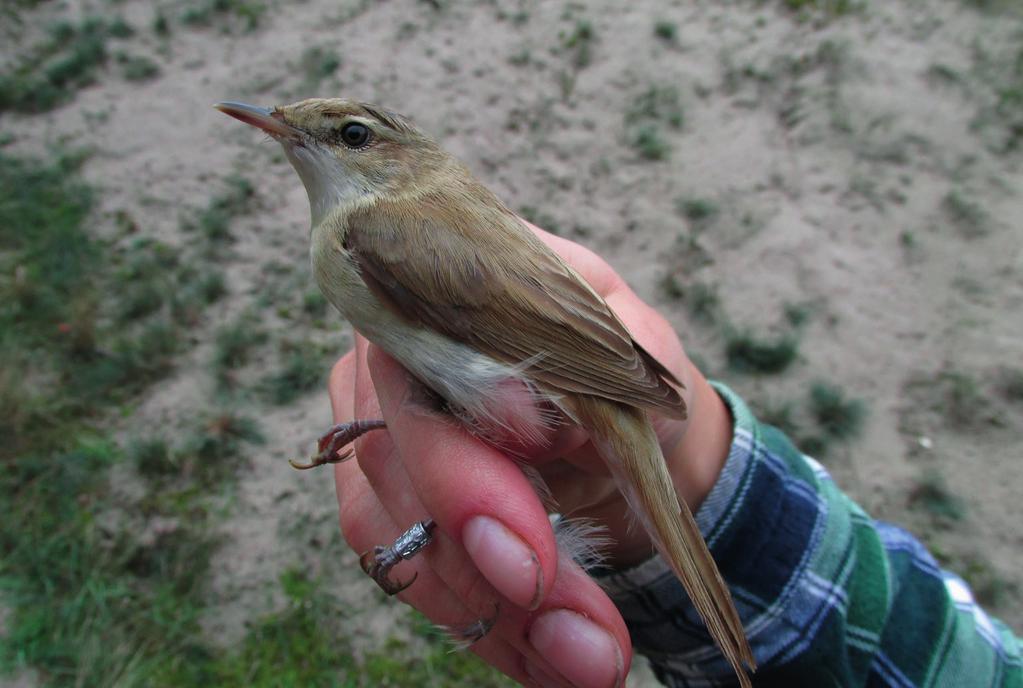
(837, 417)
(103, 585)
(302, 367)
(748, 353)
(931, 495)
(226, 14)
(699, 211)
(826, 417)
(649, 143)
(137, 67)
(702, 301)
(233, 347)
(968, 216)
(118, 27)
(318, 63)
(1000, 117)
(579, 43)
(51, 73)
(827, 8)
(797, 314)
(88, 600)
(656, 106)
(666, 30)
(1011, 384)
(958, 398)
(214, 221)
(161, 26)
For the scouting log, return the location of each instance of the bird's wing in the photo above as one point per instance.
(451, 271)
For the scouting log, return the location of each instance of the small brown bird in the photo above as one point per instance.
(432, 267)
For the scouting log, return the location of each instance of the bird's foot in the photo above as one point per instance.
(331, 442)
(378, 563)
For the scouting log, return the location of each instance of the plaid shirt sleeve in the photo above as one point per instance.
(828, 596)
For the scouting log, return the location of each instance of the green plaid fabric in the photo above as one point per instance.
(828, 596)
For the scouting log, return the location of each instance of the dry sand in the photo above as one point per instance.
(829, 148)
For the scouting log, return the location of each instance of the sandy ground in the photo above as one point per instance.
(829, 148)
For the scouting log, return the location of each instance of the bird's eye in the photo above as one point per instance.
(355, 135)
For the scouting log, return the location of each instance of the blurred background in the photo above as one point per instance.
(822, 196)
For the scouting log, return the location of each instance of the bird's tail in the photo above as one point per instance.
(625, 439)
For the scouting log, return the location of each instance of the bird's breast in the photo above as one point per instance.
(494, 396)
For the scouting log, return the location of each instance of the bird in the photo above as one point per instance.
(431, 266)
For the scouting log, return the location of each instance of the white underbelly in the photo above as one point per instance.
(476, 384)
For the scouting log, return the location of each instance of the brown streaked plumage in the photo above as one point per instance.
(429, 265)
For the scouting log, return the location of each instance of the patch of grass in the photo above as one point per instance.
(658, 104)
(672, 287)
(797, 314)
(233, 346)
(213, 452)
(138, 67)
(88, 600)
(666, 30)
(314, 304)
(520, 58)
(649, 143)
(698, 211)
(152, 457)
(1000, 118)
(958, 398)
(214, 221)
(702, 301)
(118, 27)
(161, 25)
(654, 107)
(196, 286)
(828, 8)
(227, 14)
(58, 282)
(302, 368)
(748, 353)
(51, 73)
(838, 417)
(318, 63)
(305, 643)
(579, 43)
(1011, 384)
(968, 216)
(931, 494)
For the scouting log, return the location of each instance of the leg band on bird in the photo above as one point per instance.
(379, 562)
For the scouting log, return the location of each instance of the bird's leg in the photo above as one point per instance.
(379, 562)
(330, 443)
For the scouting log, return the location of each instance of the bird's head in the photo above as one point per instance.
(347, 153)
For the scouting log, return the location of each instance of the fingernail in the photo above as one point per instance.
(541, 677)
(580, 650)
(504, 560)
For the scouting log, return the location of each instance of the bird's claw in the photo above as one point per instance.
(329, 445)
(377, 564)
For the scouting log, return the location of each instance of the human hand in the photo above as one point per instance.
(494, 542)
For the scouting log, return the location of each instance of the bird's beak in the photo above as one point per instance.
(261, 118)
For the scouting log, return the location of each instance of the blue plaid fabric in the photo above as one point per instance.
(828, 596)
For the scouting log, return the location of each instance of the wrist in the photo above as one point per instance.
(695, 460)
